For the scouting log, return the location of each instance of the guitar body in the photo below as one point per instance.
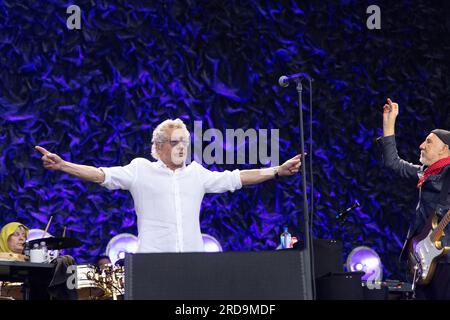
(423, 252)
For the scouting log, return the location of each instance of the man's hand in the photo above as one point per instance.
(54, 162)
(390, 113)
(50, 160)
(255, 176)
(290, 167)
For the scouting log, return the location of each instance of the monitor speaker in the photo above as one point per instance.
(265, 275)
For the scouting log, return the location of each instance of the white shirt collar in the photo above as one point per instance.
(161, 164)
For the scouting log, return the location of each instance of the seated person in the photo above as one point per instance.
(12, 241)
(103, 262)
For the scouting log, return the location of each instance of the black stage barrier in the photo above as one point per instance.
(265, 275)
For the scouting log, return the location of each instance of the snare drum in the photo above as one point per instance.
(88, 284)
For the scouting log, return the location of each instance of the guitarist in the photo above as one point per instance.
(435, 159)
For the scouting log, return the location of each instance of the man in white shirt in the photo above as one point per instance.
(168, 193)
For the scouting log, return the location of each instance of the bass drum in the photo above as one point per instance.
(11, 291)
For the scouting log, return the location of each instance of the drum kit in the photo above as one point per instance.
(95, 284)
(92, 283)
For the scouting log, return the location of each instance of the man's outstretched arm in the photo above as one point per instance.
(255, 176)
(52, 161)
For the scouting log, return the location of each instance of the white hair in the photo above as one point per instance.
(159, 136)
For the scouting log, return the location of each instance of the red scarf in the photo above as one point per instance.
(435, 168)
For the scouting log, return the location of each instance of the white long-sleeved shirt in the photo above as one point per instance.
(167, 202)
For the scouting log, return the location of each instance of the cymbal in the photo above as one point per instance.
(57, 243)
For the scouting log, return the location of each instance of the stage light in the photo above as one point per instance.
(121, 244)
(211, 244)
(367, 260)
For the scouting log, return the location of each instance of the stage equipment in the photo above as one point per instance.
(263, 275)
(328, 257)
(53, 243)
(88, 284)
(309, 254)
(211, 244)
(38, 234)
(366, 260)
(121, 244)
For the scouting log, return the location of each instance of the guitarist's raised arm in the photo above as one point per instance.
(390, 154)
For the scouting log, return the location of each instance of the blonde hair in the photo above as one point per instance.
(159, 137)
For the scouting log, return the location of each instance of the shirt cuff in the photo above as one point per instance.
(107, 180)
(237, 183)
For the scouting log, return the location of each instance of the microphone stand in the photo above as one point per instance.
(342, 218)
(308, 251)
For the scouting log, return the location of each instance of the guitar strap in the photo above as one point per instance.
(443, 205)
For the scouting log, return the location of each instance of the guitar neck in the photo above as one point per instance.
(436, 234)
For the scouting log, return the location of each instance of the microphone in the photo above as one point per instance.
(284, 80)
(343, 214)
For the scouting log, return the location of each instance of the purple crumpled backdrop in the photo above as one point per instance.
(95, 95)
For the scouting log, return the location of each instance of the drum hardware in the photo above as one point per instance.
(11, 290)
(111, 280)
(54, 243)
(88, 285)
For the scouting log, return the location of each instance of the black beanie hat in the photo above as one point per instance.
(444, 135)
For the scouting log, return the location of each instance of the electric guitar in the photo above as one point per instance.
(426, 247)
